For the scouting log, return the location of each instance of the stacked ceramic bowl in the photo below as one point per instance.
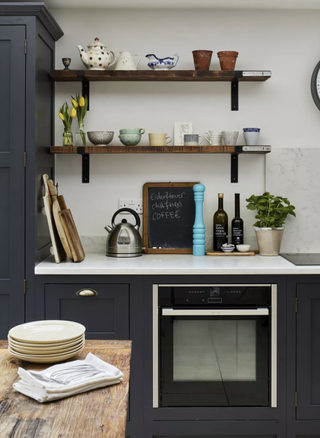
(46, 341)
(131, 136)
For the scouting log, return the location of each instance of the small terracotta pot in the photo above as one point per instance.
(202, 59)
(227, 59)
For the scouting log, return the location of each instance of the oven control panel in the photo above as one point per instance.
(214, 295)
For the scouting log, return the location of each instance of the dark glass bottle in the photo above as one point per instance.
(237, 222)
(220, 225)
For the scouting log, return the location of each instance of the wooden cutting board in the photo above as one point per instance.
(58, 251)
(55, 210)
(99, 413)
(233, 253)
(72, 235)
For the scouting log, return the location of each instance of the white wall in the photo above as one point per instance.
(285, 42)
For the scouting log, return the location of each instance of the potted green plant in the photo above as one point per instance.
(272, 213)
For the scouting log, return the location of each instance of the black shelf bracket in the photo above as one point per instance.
(235, 91)
(234, 164)
(85, 85)
(85, 164)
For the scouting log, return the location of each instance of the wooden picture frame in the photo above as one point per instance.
(168, 223)
(181, 128)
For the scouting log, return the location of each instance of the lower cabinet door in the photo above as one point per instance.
(102, 308)
(308, 351)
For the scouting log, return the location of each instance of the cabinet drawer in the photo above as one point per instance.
(104, 314)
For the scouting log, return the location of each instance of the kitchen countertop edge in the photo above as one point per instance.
(174, 264)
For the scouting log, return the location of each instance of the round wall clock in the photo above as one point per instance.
(315, 85)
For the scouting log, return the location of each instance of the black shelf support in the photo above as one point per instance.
(85, 85)
(85, 164)
(235, 91)
(234, 164)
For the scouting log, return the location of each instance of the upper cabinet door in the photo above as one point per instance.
(12, 176)
(308, 351)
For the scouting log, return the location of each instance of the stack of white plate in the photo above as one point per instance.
(46, 341)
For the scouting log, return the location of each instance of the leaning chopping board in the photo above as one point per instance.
(55, 210)
(72, 235)
(58, 251)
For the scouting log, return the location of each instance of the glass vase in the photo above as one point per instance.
(80, 138)
(67, 138)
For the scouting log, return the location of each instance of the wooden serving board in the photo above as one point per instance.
(233, 253)
(99, 413)
(55, 211)
(72, 235)
(58, 251)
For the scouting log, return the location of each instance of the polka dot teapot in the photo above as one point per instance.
(97, 57)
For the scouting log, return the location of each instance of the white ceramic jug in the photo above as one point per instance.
(126, 61)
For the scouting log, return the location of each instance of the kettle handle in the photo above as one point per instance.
(129, 210)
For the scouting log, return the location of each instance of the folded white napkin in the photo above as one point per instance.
(64, 380)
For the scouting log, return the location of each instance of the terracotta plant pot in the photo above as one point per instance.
(202, 59)
(227, 60)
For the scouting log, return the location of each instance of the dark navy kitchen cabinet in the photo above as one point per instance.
(102, 308)
(303, 351)
(308, 351)
(27, 37)
(12, 176)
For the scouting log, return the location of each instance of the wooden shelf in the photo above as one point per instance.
(152, 150)
(86, 151)
(164, 75)
(234, 77)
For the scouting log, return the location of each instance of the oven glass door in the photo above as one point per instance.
(215, 357)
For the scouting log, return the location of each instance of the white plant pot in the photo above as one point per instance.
(269, 240)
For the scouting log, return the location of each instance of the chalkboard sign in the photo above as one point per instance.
(168, 217)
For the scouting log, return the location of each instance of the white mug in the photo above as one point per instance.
(126, 61)
(214, 138)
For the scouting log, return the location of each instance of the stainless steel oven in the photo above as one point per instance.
(214, 345)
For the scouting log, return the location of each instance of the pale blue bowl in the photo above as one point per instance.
(130, 139)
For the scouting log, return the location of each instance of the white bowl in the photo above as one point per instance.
(243, 248)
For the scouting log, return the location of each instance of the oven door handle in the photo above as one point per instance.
(215, 312)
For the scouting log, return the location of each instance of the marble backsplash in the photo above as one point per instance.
(290, 172)
(294, 173)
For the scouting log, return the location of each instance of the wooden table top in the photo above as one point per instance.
(101, 413)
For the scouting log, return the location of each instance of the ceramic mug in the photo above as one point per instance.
(192, 139)
(159, 139)
(251, 135)
(212, 137)
(230, 137)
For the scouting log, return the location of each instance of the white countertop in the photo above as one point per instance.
(174, 264)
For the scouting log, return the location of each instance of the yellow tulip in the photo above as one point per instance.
(81, 101)
(74, 103)
(73, 112)
(61, 117)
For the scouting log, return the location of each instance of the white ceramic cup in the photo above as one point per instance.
(214, 138)
(230, 137)
(251, 137)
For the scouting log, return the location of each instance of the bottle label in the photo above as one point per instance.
(220, 230)
(237, 236)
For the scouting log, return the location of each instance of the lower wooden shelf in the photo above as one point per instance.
(86, 151)
(234, 149)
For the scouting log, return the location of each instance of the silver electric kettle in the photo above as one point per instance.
(124, 239)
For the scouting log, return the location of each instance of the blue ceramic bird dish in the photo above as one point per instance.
(162, 64)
